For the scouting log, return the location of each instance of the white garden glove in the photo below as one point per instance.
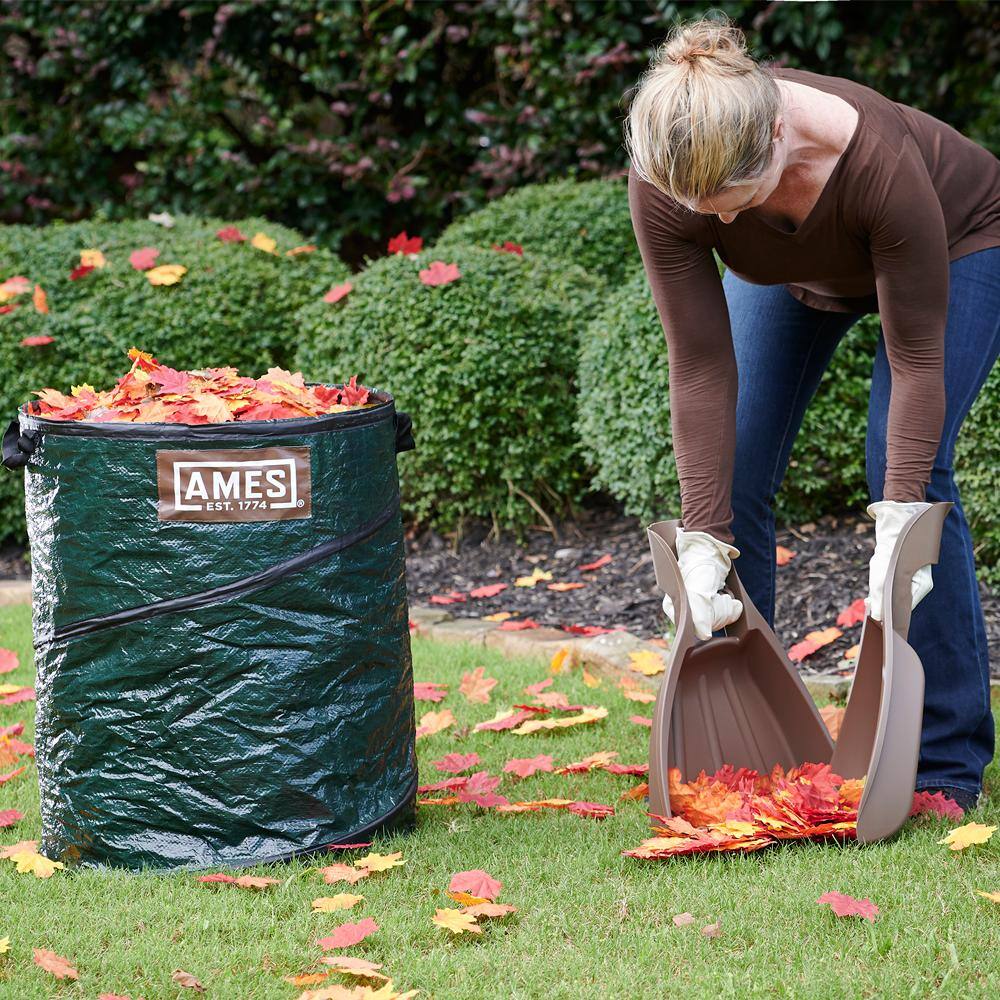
(890, 516)
(705, 563)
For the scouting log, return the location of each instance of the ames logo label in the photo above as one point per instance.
(263, 484)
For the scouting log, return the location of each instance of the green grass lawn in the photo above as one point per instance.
(590, 923)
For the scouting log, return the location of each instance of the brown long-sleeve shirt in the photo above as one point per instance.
(908, 195)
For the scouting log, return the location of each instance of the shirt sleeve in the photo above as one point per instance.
(689, 298)
(909, 248)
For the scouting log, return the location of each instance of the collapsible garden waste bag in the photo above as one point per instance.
(221, 634)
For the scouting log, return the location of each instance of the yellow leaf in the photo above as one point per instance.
(634, 694)
(590, 680)
(456, 921)
(993, 897)
(499, 616)
(380, 862)
(86, 387)
(559, 659)
(92, 258)
(263, 242)
(537, 575)
(348, 965)
(965, 836)
(166, 274)
(646, 662)
(307, 978)
(590, 714)
(5, 945)
(211, 406)
(824, 636)
(852, 653)
(9, 688)
(342, 901)
(31, 862)
(466, 898)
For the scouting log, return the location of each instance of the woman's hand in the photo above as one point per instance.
(890, 518)
(705, 563)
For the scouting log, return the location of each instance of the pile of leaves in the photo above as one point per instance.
(151, 392)
(737, 809)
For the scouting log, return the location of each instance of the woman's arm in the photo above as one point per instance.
(689, 298)
(909, 248)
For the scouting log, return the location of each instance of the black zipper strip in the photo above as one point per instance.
(228, 591)
(209, 432)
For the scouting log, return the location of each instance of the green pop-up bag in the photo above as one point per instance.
(221, 636)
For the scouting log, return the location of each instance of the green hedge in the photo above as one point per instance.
(485, 365)
(583, 223)
(624, 426)
(234, 306)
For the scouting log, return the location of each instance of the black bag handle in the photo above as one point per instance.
(404, 432)
(18, 447)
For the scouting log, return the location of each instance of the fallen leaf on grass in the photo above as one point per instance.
(456, 921)
(243, 882)
(646, 662)
(993, 897)
(634, 694)
(33, 863)
(557, 663)
(8, 817)
(10, 850)
(51, 962)
(380, 862)
(634, 769)
(936, 804)
(342, 901)
(965, 836)
(4, 778)
(848, 906)
(305, 978)
(166, 274)
(348, 935)
(596, 564)
(525, 767)
(475, 687)
(641, 720)
(112, 996)
(350, 965)
(540, 686)
(186, 980)
(506, 718)
(435, 722)
(591, 810)
(342, 873)
(455, 763)
(683, 919)
(590, 680)
(429, 691)
(465, 898)
(477, 882)
(492, 910)
(635, 794)
(489, 590)
(598, 761)
(591, 713)
(8, 661)
(711, 930)
(15, 696)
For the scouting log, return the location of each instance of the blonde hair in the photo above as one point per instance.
(703, 114)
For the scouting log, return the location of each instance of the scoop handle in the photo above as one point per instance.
(662, 542)
(918, 545)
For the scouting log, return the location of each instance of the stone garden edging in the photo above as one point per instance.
(605, 655)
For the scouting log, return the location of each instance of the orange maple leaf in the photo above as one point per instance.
(476, 687)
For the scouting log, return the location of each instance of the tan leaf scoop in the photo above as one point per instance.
(737, 699)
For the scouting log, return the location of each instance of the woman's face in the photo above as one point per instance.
(730, 201)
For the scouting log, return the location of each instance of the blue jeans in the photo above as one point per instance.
(782, 348)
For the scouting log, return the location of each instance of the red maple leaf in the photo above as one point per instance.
(429, 691)
(641, 720)
(455, 597)
(170, 380)
(444, 785)
(588, 630)
(401, 243)
(489, 590)
(440, 273)
(848, 906)
(38, 340)
(591, 810)
(937, 804)
(80, 271)
(519, 625)
(8, 661)
(231, 235)
(853, 614)
(477, 883)
(338, 292)
(597, 564)
(455, 763)
(525, 767)
(24, 694)
(539, 687)
(347, 935)
(508, 247)
(144, 258)
(8, 817)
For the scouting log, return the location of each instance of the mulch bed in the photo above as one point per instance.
(829, 571)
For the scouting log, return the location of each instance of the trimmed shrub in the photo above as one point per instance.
(582, 223)
(234, 306)
(486, 366)
(624, 426)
